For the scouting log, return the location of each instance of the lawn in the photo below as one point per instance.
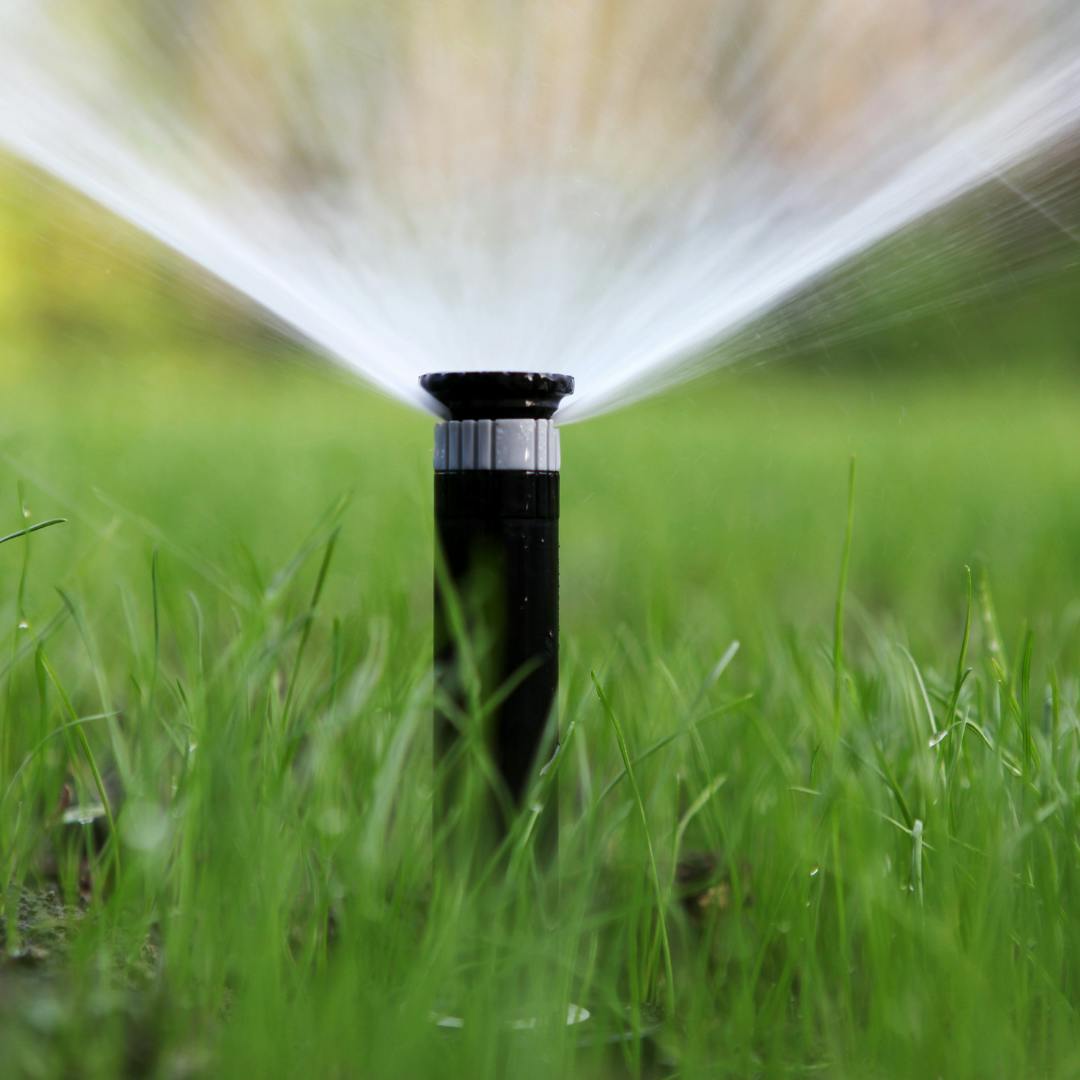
(215, 762)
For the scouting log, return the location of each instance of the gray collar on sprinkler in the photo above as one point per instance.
(498, 395)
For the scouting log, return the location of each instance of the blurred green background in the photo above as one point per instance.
(155, 411)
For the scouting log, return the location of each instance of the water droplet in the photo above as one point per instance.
(454, 1022)
(86, 814)
(26, 513)
(144, 825)
(23, 625)
(937, 737)
(815, 871)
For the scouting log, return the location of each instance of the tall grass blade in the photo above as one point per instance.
(841, 590)
(624, 751)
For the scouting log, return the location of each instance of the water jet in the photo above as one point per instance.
(497, 560)
(633, 190)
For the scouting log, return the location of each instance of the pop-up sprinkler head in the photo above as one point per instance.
(497, 529)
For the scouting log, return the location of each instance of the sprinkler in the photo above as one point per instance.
(497, 569)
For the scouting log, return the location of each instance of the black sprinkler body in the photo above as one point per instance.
(497, 531)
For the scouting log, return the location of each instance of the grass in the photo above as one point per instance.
(846, 848)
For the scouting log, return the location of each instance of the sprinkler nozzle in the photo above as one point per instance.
(498, 395)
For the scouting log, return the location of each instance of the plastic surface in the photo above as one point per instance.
(498, 534)
(498, 395)
(521, 445)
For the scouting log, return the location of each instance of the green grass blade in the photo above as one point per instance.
(841, 590)
(624, 751)
(88, 753)
(309, 618)
(32, 529)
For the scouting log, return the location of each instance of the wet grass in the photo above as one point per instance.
(845, 845)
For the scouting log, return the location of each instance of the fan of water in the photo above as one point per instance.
(606, 188)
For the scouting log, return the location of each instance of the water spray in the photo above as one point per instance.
(497, 572)
(603, 183)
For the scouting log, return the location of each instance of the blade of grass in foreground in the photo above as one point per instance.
(841, 590)
(32, 529)
(309, 619)
(624, 751)
(88, 752)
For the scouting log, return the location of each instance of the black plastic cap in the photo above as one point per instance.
(498, 395)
